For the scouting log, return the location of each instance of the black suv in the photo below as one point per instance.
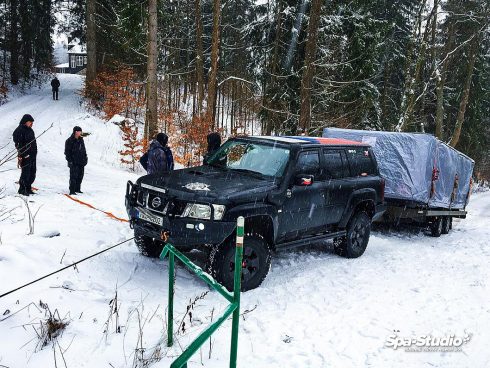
(292, 191)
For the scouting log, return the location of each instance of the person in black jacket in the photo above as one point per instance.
(55, 86)
(214, 142)
(25, 142)
(76, 155)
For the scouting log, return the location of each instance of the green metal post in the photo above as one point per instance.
(236, 290)
(170, 319)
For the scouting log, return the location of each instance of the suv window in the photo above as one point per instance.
(333, 164)
(361, 161)
(308, 163)
(264, 159)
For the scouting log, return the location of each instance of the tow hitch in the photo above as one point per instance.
(164, 235)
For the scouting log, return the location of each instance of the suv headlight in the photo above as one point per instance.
(198, 211)
(203, 211)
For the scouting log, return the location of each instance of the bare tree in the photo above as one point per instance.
(475, 44)
(413, 67)
(14, 44)
(152, 81)
(199, 56)
(310, 54)
(440, 75)
(91, 73)
(213, 74)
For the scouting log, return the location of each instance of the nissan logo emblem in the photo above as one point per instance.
(156, 202)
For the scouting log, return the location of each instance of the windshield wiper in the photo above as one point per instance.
(251, 172)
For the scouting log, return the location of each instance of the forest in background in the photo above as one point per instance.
(268, 67)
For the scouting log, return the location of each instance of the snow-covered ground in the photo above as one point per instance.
(313, 310)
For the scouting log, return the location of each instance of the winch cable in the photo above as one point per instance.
(64, 268)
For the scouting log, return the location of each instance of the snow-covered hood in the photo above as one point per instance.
(211, 184)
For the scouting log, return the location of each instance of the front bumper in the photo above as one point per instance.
(183, 232)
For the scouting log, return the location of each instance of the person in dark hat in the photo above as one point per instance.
(160, 158)
(55, 86)
(214, 142)
(76, 156)
(25, 142)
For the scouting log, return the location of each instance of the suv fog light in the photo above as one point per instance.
(219, 211)
(200, 227)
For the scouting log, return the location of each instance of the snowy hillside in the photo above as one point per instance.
(314, 309)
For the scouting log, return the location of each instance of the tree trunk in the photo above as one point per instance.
(440, 82)
(26, 39)
(308, 72)
(91, 72)
(414, 79)
(213, 75)
(268, 103)
(199, 56)
(409, 66)
(384, 96)
(475, 44)
(151, 122)
(14, 43)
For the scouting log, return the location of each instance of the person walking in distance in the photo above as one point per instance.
(55, 86)
(76, 156)
(25, 143)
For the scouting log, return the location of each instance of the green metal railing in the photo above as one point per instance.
(233, 298)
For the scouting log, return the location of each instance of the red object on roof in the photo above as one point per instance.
(340, 141)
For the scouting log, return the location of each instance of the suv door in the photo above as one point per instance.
(303, 210)
(338, 186)
(363, 169)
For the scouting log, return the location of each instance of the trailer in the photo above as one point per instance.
(427, 181)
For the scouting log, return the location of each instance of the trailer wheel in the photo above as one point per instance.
(436, 227)
(446, 225)
(355, 242)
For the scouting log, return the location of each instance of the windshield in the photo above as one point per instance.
(251, 157)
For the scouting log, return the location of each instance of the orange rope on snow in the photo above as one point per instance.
(109, 214)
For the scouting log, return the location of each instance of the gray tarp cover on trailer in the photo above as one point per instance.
(407, 160)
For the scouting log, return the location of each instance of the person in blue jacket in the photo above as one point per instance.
(159, 157)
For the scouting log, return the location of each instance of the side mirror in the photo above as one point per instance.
(303, 180)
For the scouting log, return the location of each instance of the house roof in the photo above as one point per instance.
(78, 49)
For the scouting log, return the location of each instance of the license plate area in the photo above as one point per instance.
(149, 217)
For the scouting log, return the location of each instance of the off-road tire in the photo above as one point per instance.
(256, 262)
(354, 243)
(147, 245)
(446, 225)
(436, 226)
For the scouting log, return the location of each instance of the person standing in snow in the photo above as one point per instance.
(160, 158)
(25, 142)
(214, 142)
(55, 86)
(76, 155)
